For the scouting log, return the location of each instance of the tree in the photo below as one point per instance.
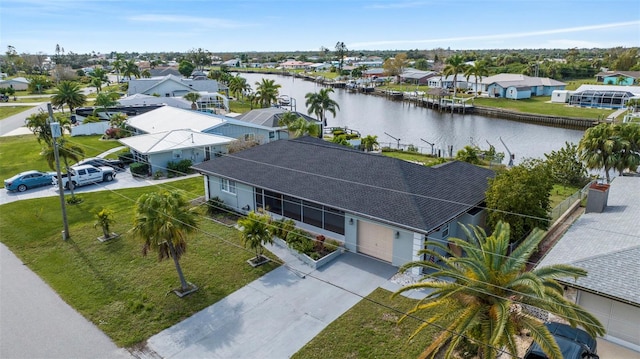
(68, 152)
(319, 103)
(186, 68)
(477, 70)
(130, 69)
(193, 97)
(145, 74)
(301, 127)
(520, 197)
(238, 86)
(106, 99)
(395, 66)
(38, 83)
(469, 154)
(369, 143)
(566, 167)
(629, 140)
(98, 77)
(599, 148)
(163, 220)
(479, 296)
(200, 58)
(256, 232)
(118, 65)
(341, 52)
(104, 220)
(266, 92)
(68, 93)
(454, 65)
(38, 123)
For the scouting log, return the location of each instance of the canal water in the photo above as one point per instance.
(396, 120)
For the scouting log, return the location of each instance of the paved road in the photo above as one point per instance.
(36, 323)
(16, 121)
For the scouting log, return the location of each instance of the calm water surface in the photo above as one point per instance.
(373, 115)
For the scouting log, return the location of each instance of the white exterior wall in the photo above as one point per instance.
(417, 246)
(239, 132)
(94, 128)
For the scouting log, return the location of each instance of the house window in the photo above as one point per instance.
(228, 186)
(445, 232)
(312, 214)
(259, 198)
(177, 154)
(334, 220)
(273, 202)
(292, 207)
(249, 136)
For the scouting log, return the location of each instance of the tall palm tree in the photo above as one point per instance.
(256, 232)
(454, 65)
(478, 296)
(599, 148)
(193, 97)
(629, 140)
(163, 220)
(145, 74)
(98, 77)
(477, 70)
(266, 92)
(118, 64)
(320, 102)
(106, 99)
(369, 142)
(68, 93)
(38, 123)
(129, 69)
(238, 86)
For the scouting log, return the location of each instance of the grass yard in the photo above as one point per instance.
(6, 111)
(559, 193)
(540, 105)
(413, 157)
(125, 294)
(370, 330)
(22, 153)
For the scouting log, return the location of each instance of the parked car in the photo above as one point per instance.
(102, 162)
(82, 175)
(574, 343)
(29, 179)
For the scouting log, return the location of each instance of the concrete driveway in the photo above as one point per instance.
(276, 315)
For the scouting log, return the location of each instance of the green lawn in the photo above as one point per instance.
(559, 193)
(22, 153)
(540, 105)
(125, 294)
(413, 157)
(371, 330)
(6, 111)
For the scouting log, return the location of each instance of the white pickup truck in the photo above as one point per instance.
(86, 174)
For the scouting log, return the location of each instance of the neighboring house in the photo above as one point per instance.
(374, 72)
(416, 77)
(105, 114)
(320, 67)
(518, 86)
(158, 149)
(607, 245)
(173, 86)
(446, 82)
(233, 63)
(270, 117)
(18, 83)
(295, 64)
(168, 118)
(380, 206)
(164, 71)
(145, 100)
(618, 77)
(603, 96)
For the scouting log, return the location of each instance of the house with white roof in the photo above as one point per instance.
(146, 100)
(173, 86)
(158, 149)
(605, 242)
(518, 86)
(603, 96)
(18, 83)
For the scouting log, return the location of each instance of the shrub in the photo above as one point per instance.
(179, 168)
(331, 245)
(412, 148)
(282, 227)
(300, 241)
(139, 168)
(126, 158)
(216, 205)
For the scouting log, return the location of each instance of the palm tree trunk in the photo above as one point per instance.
(172, 250)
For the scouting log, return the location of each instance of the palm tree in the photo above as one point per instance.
(369, 143)
(130, 68)
(238, 86)
(104, 100)
(145, 73)
(68, 93)
(455, 65)
(599, 148)
(118, 64)
(319, 103)
(477, 70)
(266, 92)
(193, 97)
(256, 232)
(479, 296)
(629, 140)
(38, 123)
(104, 220)
(98, 77)
(301, 127)
(163, 220)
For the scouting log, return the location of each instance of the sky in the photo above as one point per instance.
(238, 26)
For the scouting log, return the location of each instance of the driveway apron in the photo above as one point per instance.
(275, 315)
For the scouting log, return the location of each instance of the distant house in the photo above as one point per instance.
(446, 82)
(605, 242)
(146, 100)
(603, 96)
(233, 63)
(618, 77)
(18, 83)
(270, 117)
(164, 71)
(295, 64)
(158, 149)
(379, 206)
(173, 86)
(517, 86)
(416, 77)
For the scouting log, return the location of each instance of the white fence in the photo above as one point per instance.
(94, 128)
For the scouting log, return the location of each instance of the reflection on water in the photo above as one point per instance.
(372, 115)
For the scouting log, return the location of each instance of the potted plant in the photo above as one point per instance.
(104, 219)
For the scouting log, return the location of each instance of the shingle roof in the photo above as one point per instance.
(506, 80)
(606, 244)
(268, 116)
(167, 118)
(173, 140)
(386, 189)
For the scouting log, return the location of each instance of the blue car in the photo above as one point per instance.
(29, 179)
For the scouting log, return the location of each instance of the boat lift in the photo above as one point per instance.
(511, 156)
(432, 144)
(397, 139)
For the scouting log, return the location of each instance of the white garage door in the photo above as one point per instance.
(621, 321)
(375, 240)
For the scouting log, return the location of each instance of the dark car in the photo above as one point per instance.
(29, 179)
(574, 343)
(102, 162)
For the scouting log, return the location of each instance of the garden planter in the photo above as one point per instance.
(258, 261)
(315, 264)
(112, 236)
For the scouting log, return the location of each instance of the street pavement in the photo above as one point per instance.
(16, 121)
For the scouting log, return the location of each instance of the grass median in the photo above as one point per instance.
(125, 294)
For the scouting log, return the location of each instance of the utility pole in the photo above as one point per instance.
(55, 133)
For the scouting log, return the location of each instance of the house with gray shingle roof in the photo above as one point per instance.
(270, 117)
(518, 86)
(607, 245)
(380, 206)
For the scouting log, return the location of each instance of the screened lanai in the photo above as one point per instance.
(605, 99)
